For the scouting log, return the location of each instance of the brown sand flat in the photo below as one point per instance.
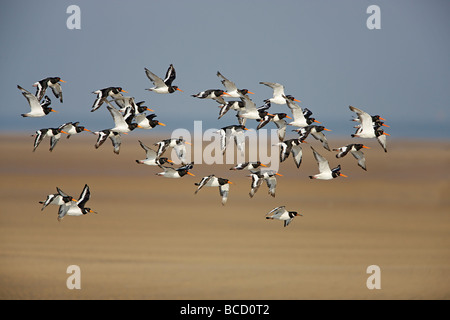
(154, 239)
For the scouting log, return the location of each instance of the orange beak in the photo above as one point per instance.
(382, 119)
(230, 182)
(386, 133)
(366, 147)
(343, 175)
(54, 111)
(124, 91)
(250, 92)
(317, 121)
(190, 174)
(326, 129)
(169, 161)
(263, 165)
(180, 90)
(288, 117)
(385, 125)
(161, 124)
(279, 174)
(297, 100)
(61, 80)
(226, 94)
(87, 130)
(148, 109)
(188, 143)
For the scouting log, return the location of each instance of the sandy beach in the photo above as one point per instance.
(153, 238)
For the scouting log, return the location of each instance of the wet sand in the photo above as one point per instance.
(153, 238)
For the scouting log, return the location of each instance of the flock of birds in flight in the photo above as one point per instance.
(129, 115)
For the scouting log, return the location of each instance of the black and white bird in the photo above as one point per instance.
(152, 158)
(248, 166)
(77, 208)
(213, 181)
(317, 133)
(163, 86)
(59, 198)
(102, 95)
(355, 150)
(178, 144)
(281, 213)
(175, 173)
(53, 133)
(210, 94)
(37, 108)
(147, 121)
(258, 177)
(231, 88)
(368, 129)
(294, 147)
(278, 93)
(235, 132)
(325, 173)
(44, 84)
(250, 111)
(71, 128)
(115, 138)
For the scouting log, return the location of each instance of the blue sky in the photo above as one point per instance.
(322, 51)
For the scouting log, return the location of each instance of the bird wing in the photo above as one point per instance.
(54, 140)
(281, 125)
(162, 147)
(32, 100)
(224, 190)
(57, 91)
(296, 110)
(229, 85)
(84, 196)
(342, 151)
(297, 153)
(321, 137)
(118, 118)
(364, 118)
(116, 141)
(271, 184)
(249, 105)
(180, 150)
(321, 161)
(157, 81)
(202, 182)
(359, 155)
(150, 153)
(239, 139)
(276, 211)
(40, 134)
(382, 141)
(278, 89)
(256, 183)
(170, 75)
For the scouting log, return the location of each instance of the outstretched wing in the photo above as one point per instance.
(202, 182)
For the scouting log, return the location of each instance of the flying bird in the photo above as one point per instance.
(53, 133)
(71, 128)
(210, 94)
(301, 118)
(147, 121)
(355, 150)
(280, 213)
(175, 173)
(103, 94)
(152, 158)
(325, 173)
(59, 198)
(37, 108)
(53, 83)
(77, 208)
(367, 129)
(163, 86)
(278, 119)
(292, 146)
(115, 138)
(213, 181)
(258, 177)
